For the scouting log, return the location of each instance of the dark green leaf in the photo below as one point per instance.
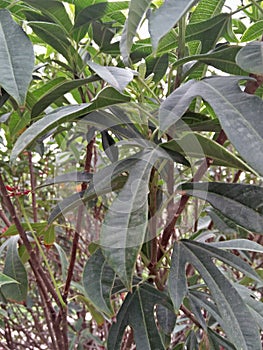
(4, 279)
(158, 66)
(137, 311)
(57, 91)
(206, 9)
(16, 58)
(236, 110)
(98, 281)
(241, 203)
(106, 97)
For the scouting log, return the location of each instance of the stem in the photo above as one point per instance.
(42, 255)
(79, 223)
(4, 218)
(148, 89)
(33, 186)
(181, 51)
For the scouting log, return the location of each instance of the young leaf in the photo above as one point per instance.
(253, 32)
(165, 18)
(16, 58)
(235, 109)
(137, 311)
(137, 9)
(241, 203)
(98, 280)
(250, 57)
(115, 76)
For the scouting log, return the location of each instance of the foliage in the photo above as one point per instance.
(131, 162)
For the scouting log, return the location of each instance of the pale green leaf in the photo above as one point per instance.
(16, 58)
(250, 57)
(253, 32)
(4, 279)
(239, 244)
(117, 77)
(206, 9)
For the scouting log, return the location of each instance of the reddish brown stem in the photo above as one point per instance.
(33, 186)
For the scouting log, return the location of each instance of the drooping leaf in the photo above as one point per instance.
(4, 279)
(16, 58)
(137, 311)
(57, 91)
(165, 18)
(235, 109)
(250, 57)
(98, 280)
(137, 9)
(241, 203)
(106, 97)
(216, 340)
(68, 177)
(253, 32)
(16, 270)
(115, 76)
(233, 315)
(198, 146)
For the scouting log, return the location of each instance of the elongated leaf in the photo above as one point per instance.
(215, 340)
(137, 9)
(37, 226)
(106, 97)
(165, 18)
(253, 32)
(198, 146)
(234, 316)
(206, 9)
(16, 270)
(240, 203)
(239, 244)
(250, 57)
(57, 91)
(4, 279)
(16, 58)
(137, 311)
(98, 281)
(236, 110)
(125, 223)
(53, 35)
(158, 66)
(55, 10)
(115, 76)
(223, 59)
(68, 177)
(63, 260)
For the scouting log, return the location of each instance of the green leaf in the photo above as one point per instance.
(115, 76)
(165, 18)
(215, 340)
(233, 315)
(16, 270)
(63, 260)
(137, 311)
(55, 10)
(4, 279)
(98, 280)
(106, 97)
(223, 59)
(206, 9)
(49, 235)
(253, 32)
(158, 66)
(198, 146)
(68, 177)
(57, 91)
(250, 57)
(137, 9)
(37, 226)
(238, 202)
(16, 58)
(235, 109)
(125, 223)
(239, 244)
